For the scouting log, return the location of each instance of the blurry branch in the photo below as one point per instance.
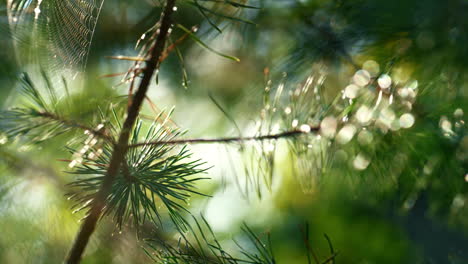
(332, 251)
(40, 119)
(120, 149)
(204, 247)
(286, 134)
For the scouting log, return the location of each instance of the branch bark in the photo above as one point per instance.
(120, 149)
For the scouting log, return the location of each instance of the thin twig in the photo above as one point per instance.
(71, 123)
(120, 149)
(331, 258)
(291, 133)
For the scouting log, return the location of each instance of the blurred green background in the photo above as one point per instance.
(409, 205)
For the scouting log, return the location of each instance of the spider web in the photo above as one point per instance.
(53, 34)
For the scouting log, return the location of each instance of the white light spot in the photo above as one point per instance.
(458, 113)
(361, 78)
(406, 120)
(295, 123)
(384, 81)
(3, 139)
(403, 92)
(270, 147)
(305, 128)
(445, 125)
(275, 129)
(364, 114)
(37, 10)
(346, 134)
(361, 162)
(287, 110)
(72, 164)
(328, 126)
(174, 8)
(351, 91)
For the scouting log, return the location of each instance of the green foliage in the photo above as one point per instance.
(206, 248)
(39, 119)
(151, 175)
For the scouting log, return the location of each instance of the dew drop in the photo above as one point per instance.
(275, 128)
(346, 134)
(406, 120)
(270, 147)
(445, 125)
(403, 92)
(328, 126)
(305, 128)
(294, 123)
(384, 81)
(3, 139)
(364, 114)
(351, 91)
(37, 11)
(361, 162)
(458, 113)
(361, 78)
(72, 164)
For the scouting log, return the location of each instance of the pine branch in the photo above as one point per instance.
(74, 124)
(286, 134)
(39, 119)
(120, 148)
(150, 175)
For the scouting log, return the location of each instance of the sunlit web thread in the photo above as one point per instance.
(54, 34)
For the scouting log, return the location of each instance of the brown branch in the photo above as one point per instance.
(286, 134)
(120, 148)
